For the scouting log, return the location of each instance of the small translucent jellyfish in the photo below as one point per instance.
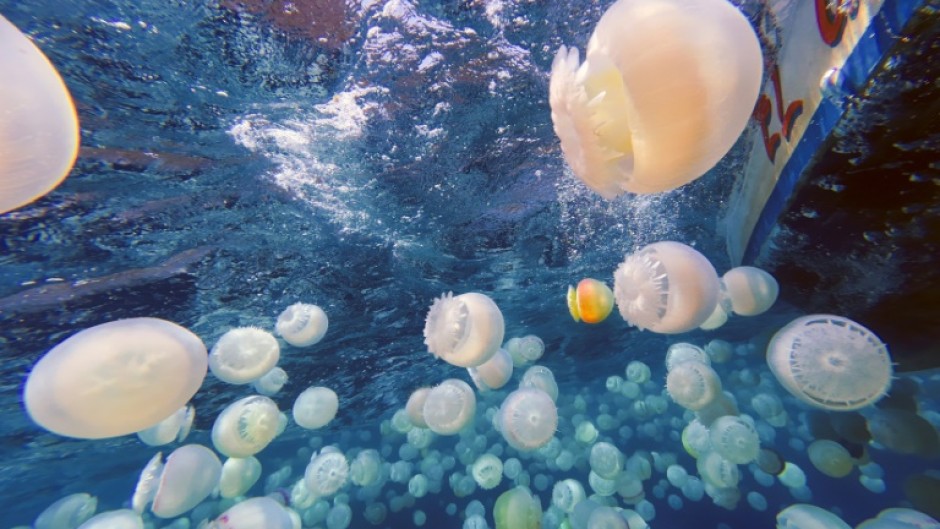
(830, 362)
(243, 355)
(637, 372)
(655, 107)
(528, 419)
(666, 287)
(591, 302)
(806, 516)
(735, 438)
(147, 483)
(39, 126)
(418, 485)
(601, 486)
(119, 519)
(115, 378)
(494, 373)
(693, 385)
(302, 324)
(605, 517)
(830, 458)
(487, 471)
(719, 351)
(246, 426)
(750, 290)
(566, 494)
(271, 382)
(449, 407)
(540, 377)
(70, 511)
(375, 513)
(517, 508)
(606, 460)
(792, 476)
(586, 433)
(685, 352)
(415, 407)
(770, 461)
(770, 409)
(465, 330)
(525, 350)
(900, 518)
(190, 474)
(254, 513)
(315, 407)
(326, 473)
(677, 475)
(239, 474)
(167, 430)
(718, 471)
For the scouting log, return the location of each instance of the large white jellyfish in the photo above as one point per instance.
(315, 407)
(39, 126)
(243, 355)
(115, 378)
(830, 362)
(246, 426)
(449, 407)
(190, 474)
(464, 330)
(528, 419)
(302, 324)
(666, 287)
(665, 89)
(254, 513)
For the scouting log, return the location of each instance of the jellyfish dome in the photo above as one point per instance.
(239, 474)
(246, 426)
(70, 511)
(655, 107)
(830, 362)
(735, 438)
(685, 352)
(365, 468)
(167, 430)
(517, 509)
(606, 460)
(693, 385)
(830, 458)
(464, 330)
(528, 419)
(254, 513)
(717, 471)
(302, 324)
(271, 382)
(666, 287)
(190, 474)
(638, 372)
(591, 302)
(449, 407)
(494, 373)
(415, 407)
(315, 407)
(540, 377)
(115, 378)
(487, 471)
(806, 516)
(719, 351)
(119, 519)
(567, 493)
(326, 473)
(243, 355)
(39, 132)
(750, 290)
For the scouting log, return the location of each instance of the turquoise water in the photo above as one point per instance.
(237, 158)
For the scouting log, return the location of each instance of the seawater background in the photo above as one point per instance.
(233, 164)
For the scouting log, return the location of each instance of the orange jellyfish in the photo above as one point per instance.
(591, 302)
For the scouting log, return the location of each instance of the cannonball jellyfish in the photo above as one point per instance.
(665, 89)
(254, 513)
(246, 426)
(190, 474)
(591, 302)
(271, 382)
(39, 131)
(315, 407)
(830, 458)
(494, 373)
(415, 407)
(243, 355)
(517, 508)
(115, 378)
(487, 471)
(750, 290)
(693, 385)
(666, 287)
(302, 324)
(449, 407)
(528, 419)
(464, 330)
(68, 512)
(806, 516)
(326, 473)
(735, 438)
(830, 362)
(119, 519)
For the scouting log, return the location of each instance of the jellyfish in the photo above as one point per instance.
(302, 324)
(243, 355)
(246, 426)
(606, 460)
(666, 287)
(830, 362)
(517, 508)
(770, 409)
(735, 438)
(415, 407)
(655, 107)
(326, 473)
(591, 302)
(119, 519)
(830, 458)
(566, 494)
(718, 318)
(239, 474)
(751, 291)
(254, 513)
(637, 372)
(449, 407)
(190, 474)
(465, 330)
(685, 352)
(70, 511)
(530, 348)
(806, 516)
(271, 382)
(540, 377)
(39, 129)
(904, 432)
(487, 471)
(719, 351)
(315, 407)
(605, 517)
(494, 373)
(693, 385)
(115, 378)
(528, 419)
(167, 430)
(716, 470)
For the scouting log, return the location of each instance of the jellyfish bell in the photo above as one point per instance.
(735, 438)
(830, 362)
(693, 385)
(528, 419)
(243, 355)
(315, 407)
(246, 426)
(904, 432)
(271, 382)
(239, 474)
(254, 513)
(494, 373)
(115, 378)
(517, 508)
(449, 407)
(806, 516)
(685, 352)
(326, 473)
(540, 377)
(655, 107)
(464, 330)
(119, 519)
(190, 474)
(302, 324)
(165, 431)
(415, 407)
(487, 471)
(70, 511)
(567, 493)
(666, 287)
(39, 134)
(591, 302)
(830, 458)
(751, 291)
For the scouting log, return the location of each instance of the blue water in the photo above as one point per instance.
(233, 163)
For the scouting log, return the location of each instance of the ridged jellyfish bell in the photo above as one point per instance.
(530, 348)
(70, 511)
(735, 438)
(830, 362)
(190, 474)
(243, 355)
(464, 330)
(115, 378)
(718, 471)
(449, 407)
(566, 494)
(302, 324)
(39, 130)
(806, 516)
(693, 385)
(528, 419)
(254, 513)
(665, 89)
(517, 509)
(246, 426)
(315, 407)
(666, 287)
(540, 377)
(685, 352)
(494, 373)
(415, 407)
(239, 474)
(487, 471)
(326, 473)
(750, 290)
(591, 302)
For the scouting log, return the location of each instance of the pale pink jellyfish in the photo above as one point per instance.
(540, 377)
(494, 373)
(315, 407)
(246, 426)
(254, 513)
(70, 511)
(693, 385)
(115, 378)
(666, 287)
(326, 473)
(39, 130)
(189, 476)
(528, 419)
(243, 355)
(173, 428)
(751, 291)
(302, 324)
(465, 330)
(415, 407)
(238, 475)
(449, 407)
